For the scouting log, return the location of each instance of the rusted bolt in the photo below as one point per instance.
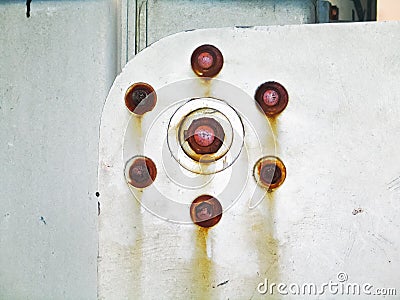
(207, 61)
(272, 98)
(140, 171)
(140, 98)
(205, 135)
(206, 211)
(270, 172)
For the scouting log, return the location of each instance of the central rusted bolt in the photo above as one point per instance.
(271, 97)
(141, 172)
(205, 60)
(205, 135)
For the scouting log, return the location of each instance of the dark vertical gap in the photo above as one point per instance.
(147, 25)
(137, 15)
(371, 10)
(127, 40)
(359, 9)
(28, 8)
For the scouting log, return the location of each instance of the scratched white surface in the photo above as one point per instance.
(338, 138)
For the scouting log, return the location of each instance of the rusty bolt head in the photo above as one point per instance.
(206, 211)
(140, 171)
(207, 61)
(205, 135)
(140, 98)
(270, 172)
(272, 98)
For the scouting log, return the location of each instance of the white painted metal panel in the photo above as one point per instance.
(338, 209)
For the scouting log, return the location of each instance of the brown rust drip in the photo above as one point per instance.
(137, 128)
(202, 267)
(273, 122)
(206, 83)
(263, 233)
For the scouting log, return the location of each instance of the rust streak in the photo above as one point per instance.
(264, 238)
(201, 265)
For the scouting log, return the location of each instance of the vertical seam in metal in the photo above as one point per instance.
(147, 13)
(127, 32)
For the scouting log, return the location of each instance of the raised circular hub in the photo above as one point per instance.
(205, 135)
(140, 171)
(140, 98)
(199, 135)
(206, 211)
(270, 172)
(207, 61)
(272, 98)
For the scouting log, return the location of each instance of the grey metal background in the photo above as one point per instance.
(159, 18)
(55, 71)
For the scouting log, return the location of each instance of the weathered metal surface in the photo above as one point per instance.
(156, 19)
(337, 210)
(56, 68)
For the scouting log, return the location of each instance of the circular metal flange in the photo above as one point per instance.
(207, 112)
(170, 196)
